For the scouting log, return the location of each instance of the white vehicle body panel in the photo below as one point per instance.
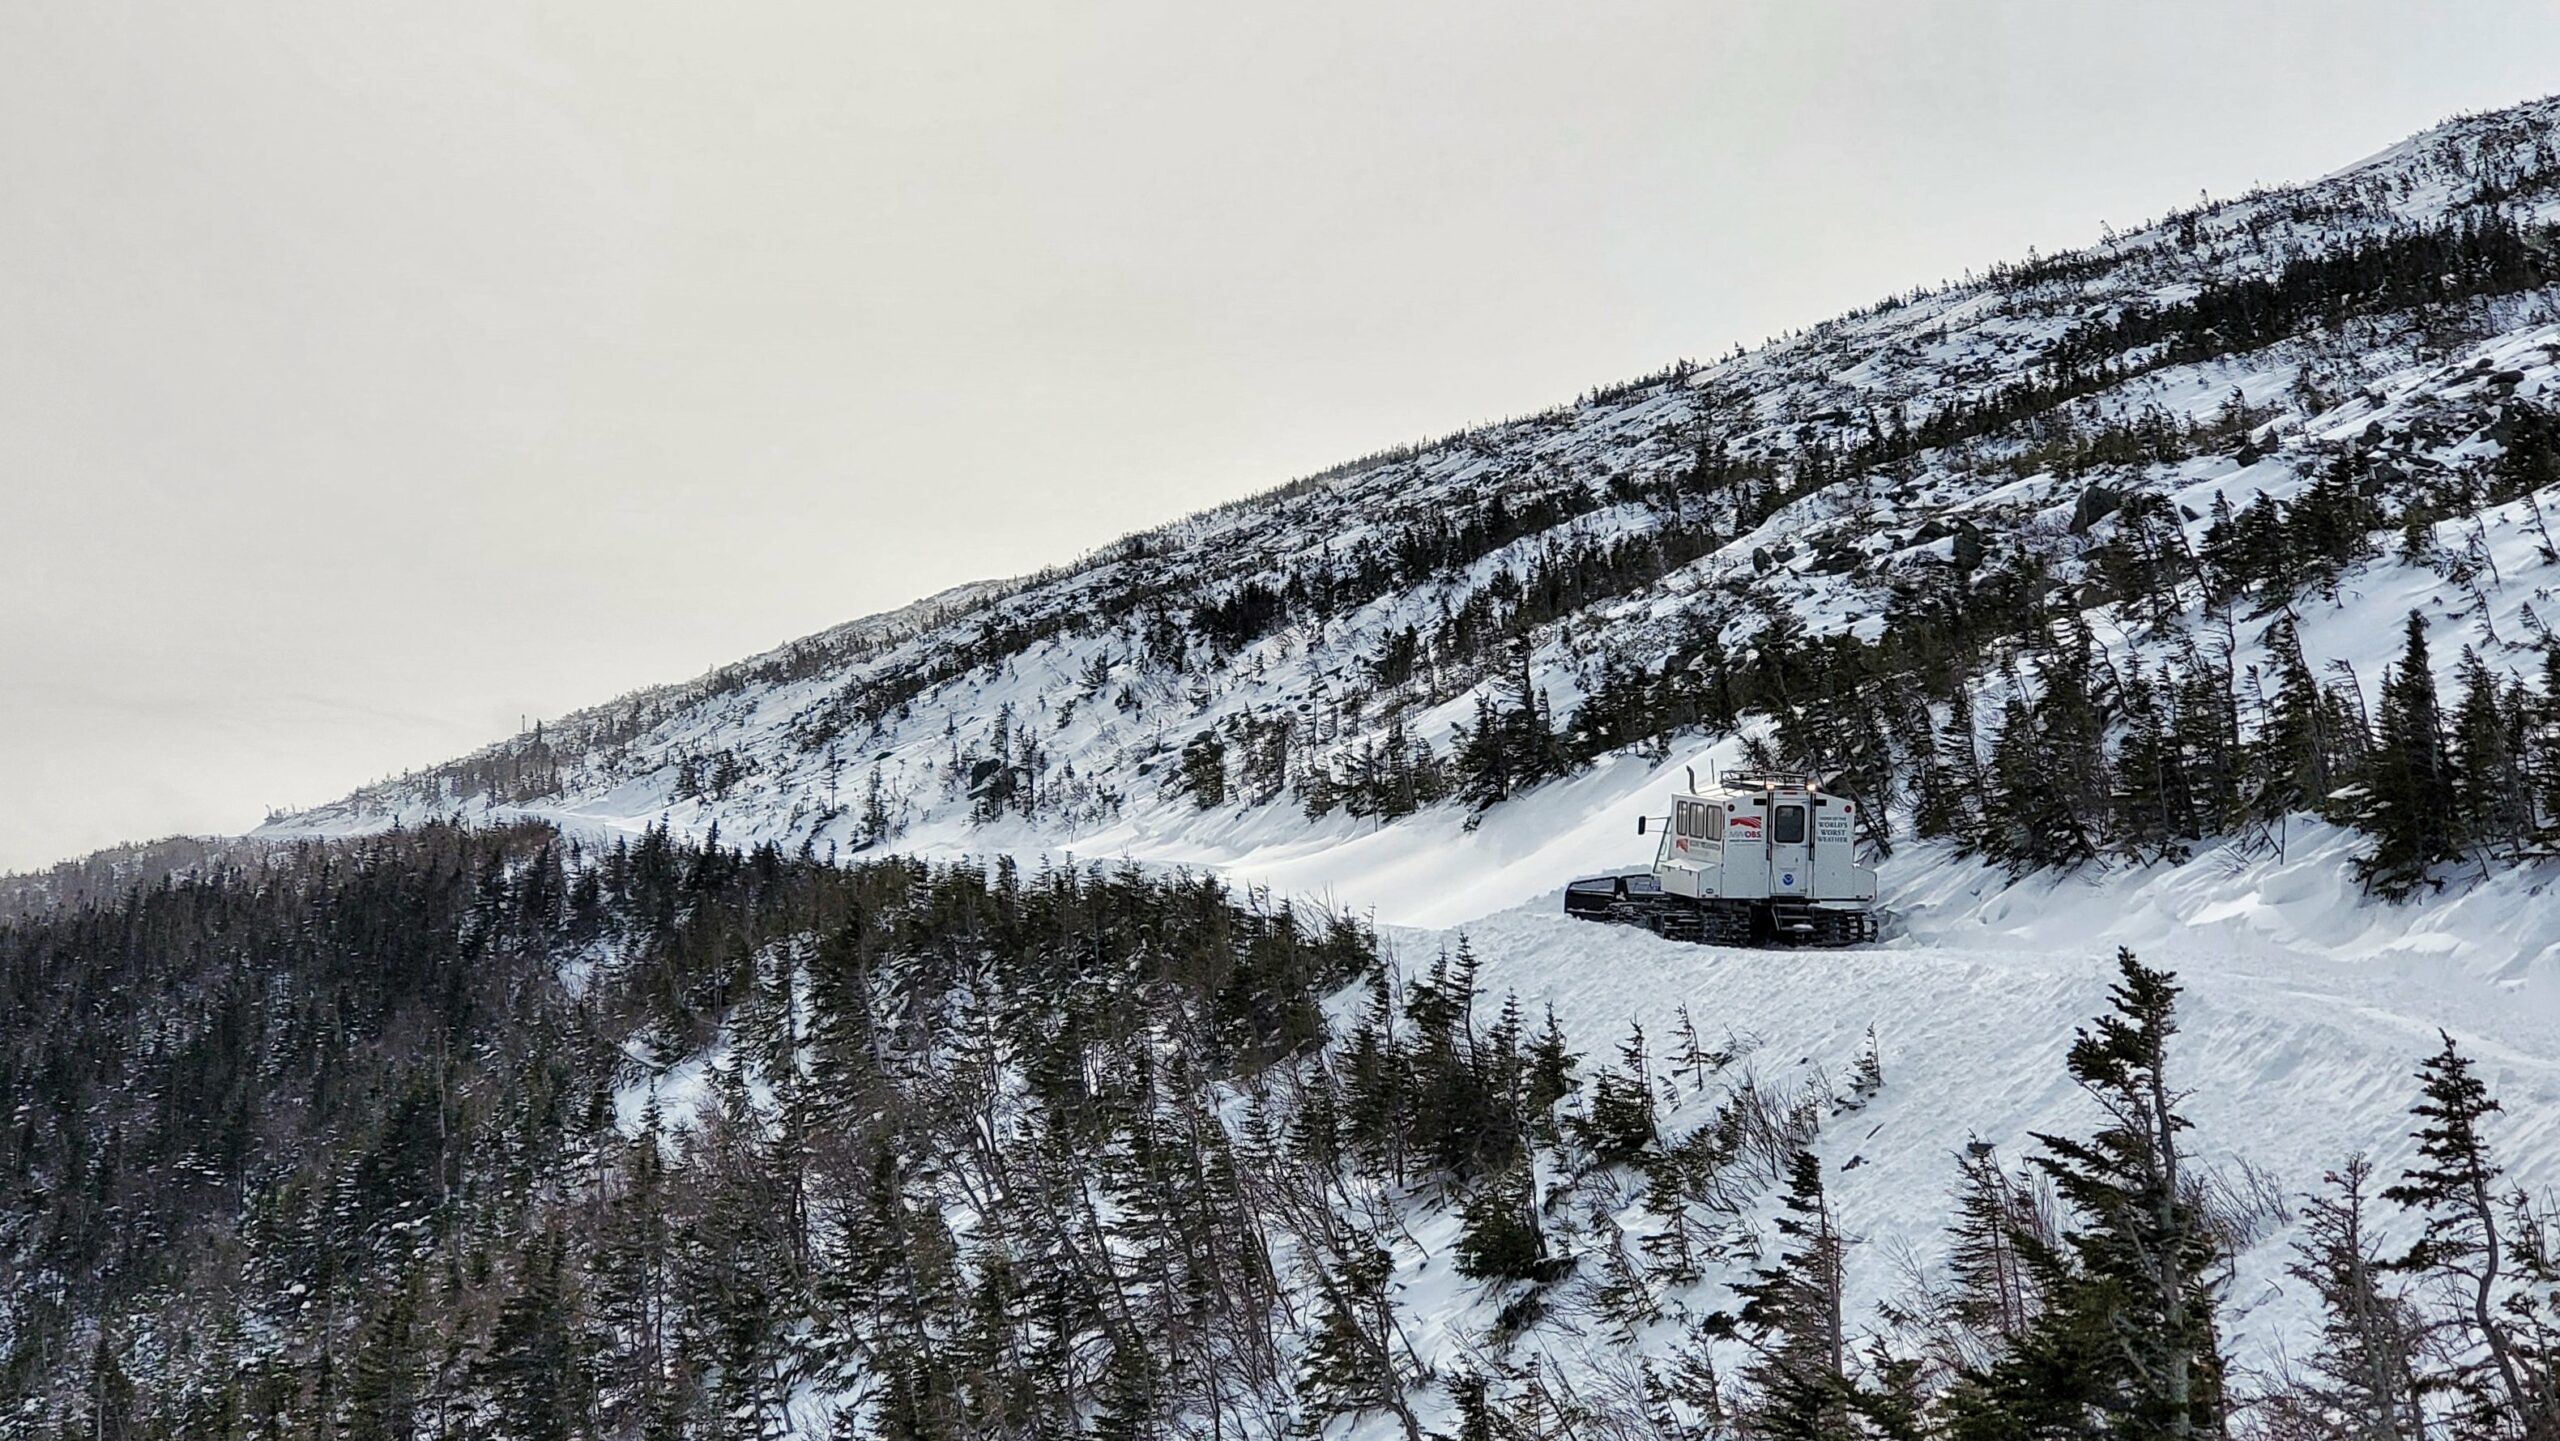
(1751, 840)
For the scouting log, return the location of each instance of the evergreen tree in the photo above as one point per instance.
(1512, 743)
(2495, 806)
(2036, 815)
(1618, 712)
(2407, 800)
(2331, 525)
(1620, 1122)
(2125, 1345)
(1999, 1228)
(2152, 811)
(2205, 732)
(2365, 1384)
(634, 1262)
(1486, 757)
(1350, 1368)
(2454, 1188)
(383, 1395)
(109, 1403)
(2299, 750)
(2071, 720)
(536, 1369)
(1203, 773)
(1791, 1319)
(1500, 1236)
(2542, 751)
(1548, 1078)
(1949, 788)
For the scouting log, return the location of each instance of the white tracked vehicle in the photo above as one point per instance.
(1757, 858)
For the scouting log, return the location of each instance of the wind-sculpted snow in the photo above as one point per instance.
(2295, 1061)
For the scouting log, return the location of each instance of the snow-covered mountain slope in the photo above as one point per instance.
(1833, 476)
(1836, 478)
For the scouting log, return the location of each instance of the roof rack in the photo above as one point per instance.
(1756, 777)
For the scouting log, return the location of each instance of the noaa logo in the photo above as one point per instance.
(1787, 879)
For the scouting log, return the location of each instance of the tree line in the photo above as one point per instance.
(479, 1133)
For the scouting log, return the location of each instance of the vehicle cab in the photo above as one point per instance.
(1762, 837)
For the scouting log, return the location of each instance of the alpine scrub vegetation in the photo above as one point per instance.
(400, 1138)
(2076, 562)
(472, 1133)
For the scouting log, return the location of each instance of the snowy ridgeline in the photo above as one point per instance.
(2047, 439)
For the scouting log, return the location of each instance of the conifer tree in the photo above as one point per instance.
(1484, 759)
(536, 1368)
(2151, 803)
(2542, 751)
(1203, 773)
(2331, 525)
(1791, 1318)
(1500, 1236)
(1998, 1228)
(2126, 1341)
(109, 1402)
(2204, 727)
(1548, 1078)
(2494, 803)
(1130, 1402)
(1618, 712)
(2035, 817)
(2454, 1188)
(1620, 1122)
(2365, 1383)
(2407, 801)
(1350, 1368)
(383, 1394)
(1475, 1408)
(2071, 718)
(2298, 750)
(1949, 787)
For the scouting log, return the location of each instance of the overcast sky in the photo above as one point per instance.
(373, 375)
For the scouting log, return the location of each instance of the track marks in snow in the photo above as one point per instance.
(2294, 1062)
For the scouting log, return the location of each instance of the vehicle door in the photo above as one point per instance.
(1790, 846)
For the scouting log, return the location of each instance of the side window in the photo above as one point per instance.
(1690, 823)
(1786, 828)
(1715, 823)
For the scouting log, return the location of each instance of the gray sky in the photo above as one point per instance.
(372, 375)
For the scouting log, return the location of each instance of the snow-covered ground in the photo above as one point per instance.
(2296, 1058)
(2307, 1008)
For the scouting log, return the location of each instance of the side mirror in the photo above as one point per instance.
(1640, 820)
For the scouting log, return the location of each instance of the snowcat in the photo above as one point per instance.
(1756, 858)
